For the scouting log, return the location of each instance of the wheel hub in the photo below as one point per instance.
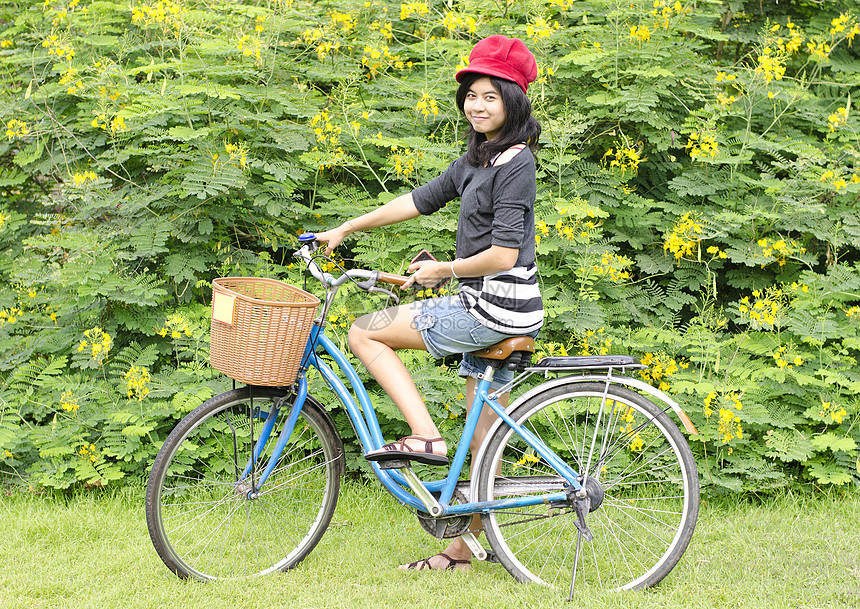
(244, 489)
(594, 492)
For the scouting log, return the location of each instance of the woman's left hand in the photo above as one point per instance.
(426, 273)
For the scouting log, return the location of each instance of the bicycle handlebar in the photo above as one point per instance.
(392, 278)
(310, 245)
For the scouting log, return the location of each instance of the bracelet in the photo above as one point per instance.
(456, 276)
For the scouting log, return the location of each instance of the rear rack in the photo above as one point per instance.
(586, 362)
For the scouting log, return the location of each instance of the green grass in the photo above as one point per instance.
(94, 551)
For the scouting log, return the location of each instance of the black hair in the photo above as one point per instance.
(519, 126)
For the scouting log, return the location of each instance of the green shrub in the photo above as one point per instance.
(698, 188)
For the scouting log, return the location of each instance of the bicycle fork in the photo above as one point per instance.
(252, 491)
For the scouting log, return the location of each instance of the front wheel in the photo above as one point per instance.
(643, 481)
(205, 519)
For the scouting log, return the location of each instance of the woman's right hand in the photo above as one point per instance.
(333, 237)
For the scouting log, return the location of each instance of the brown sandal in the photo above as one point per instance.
(424, 564)
(399, 450)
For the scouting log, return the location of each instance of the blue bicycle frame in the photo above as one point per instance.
(367, 428)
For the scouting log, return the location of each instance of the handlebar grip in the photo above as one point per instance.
(392, 278)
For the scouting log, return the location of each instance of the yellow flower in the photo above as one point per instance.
(729, 426)
(459, 22)
(622, 157)
(592, 342)
(664, 9)
(167, 14)
(82, 178)
(175, 325)
(343, 21)
(88, 452)
(403, 160)
(726, 100)
(684, 238)
(383, 28)
(771, 65)
(16, 129)
(526, 460)
(840, 23)
(258, 23)
(541, 28)
(835, 412)
(68, 402)
(409, 9)
(100, 344)
(836, 180)
(117, 124)
(68, 75)
(702, 145)
(818, 50)
(838, 118)
(136, 380)
(640, 33)
(427, 106)
(237, 152)
(614, 267)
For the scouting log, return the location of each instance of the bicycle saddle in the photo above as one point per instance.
(514, 353)
(510, 345)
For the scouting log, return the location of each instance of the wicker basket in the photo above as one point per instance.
(259, 329)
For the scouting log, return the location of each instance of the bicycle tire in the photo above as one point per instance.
(644, 468)
(205, 525)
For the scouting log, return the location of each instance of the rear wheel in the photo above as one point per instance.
(642, 477)
(202, 515)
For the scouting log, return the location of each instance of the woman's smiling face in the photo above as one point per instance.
(483, 108)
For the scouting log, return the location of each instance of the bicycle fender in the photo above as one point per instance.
(645, 388)
(621, 380)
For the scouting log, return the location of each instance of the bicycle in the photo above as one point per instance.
(582, 476)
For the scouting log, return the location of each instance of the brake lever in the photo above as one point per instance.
(369, 285)
(384, 291)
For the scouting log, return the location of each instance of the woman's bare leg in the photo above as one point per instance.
(374, 339)
(457, 549)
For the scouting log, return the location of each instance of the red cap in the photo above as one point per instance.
(503, 57)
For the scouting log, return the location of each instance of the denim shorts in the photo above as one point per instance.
(448, 329)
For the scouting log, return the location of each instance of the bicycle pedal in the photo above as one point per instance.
(405, 458)
(393, 464)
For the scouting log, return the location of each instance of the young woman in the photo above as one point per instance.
(499, 295)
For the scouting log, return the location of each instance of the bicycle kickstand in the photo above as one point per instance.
(581, 505)
(435, 509)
